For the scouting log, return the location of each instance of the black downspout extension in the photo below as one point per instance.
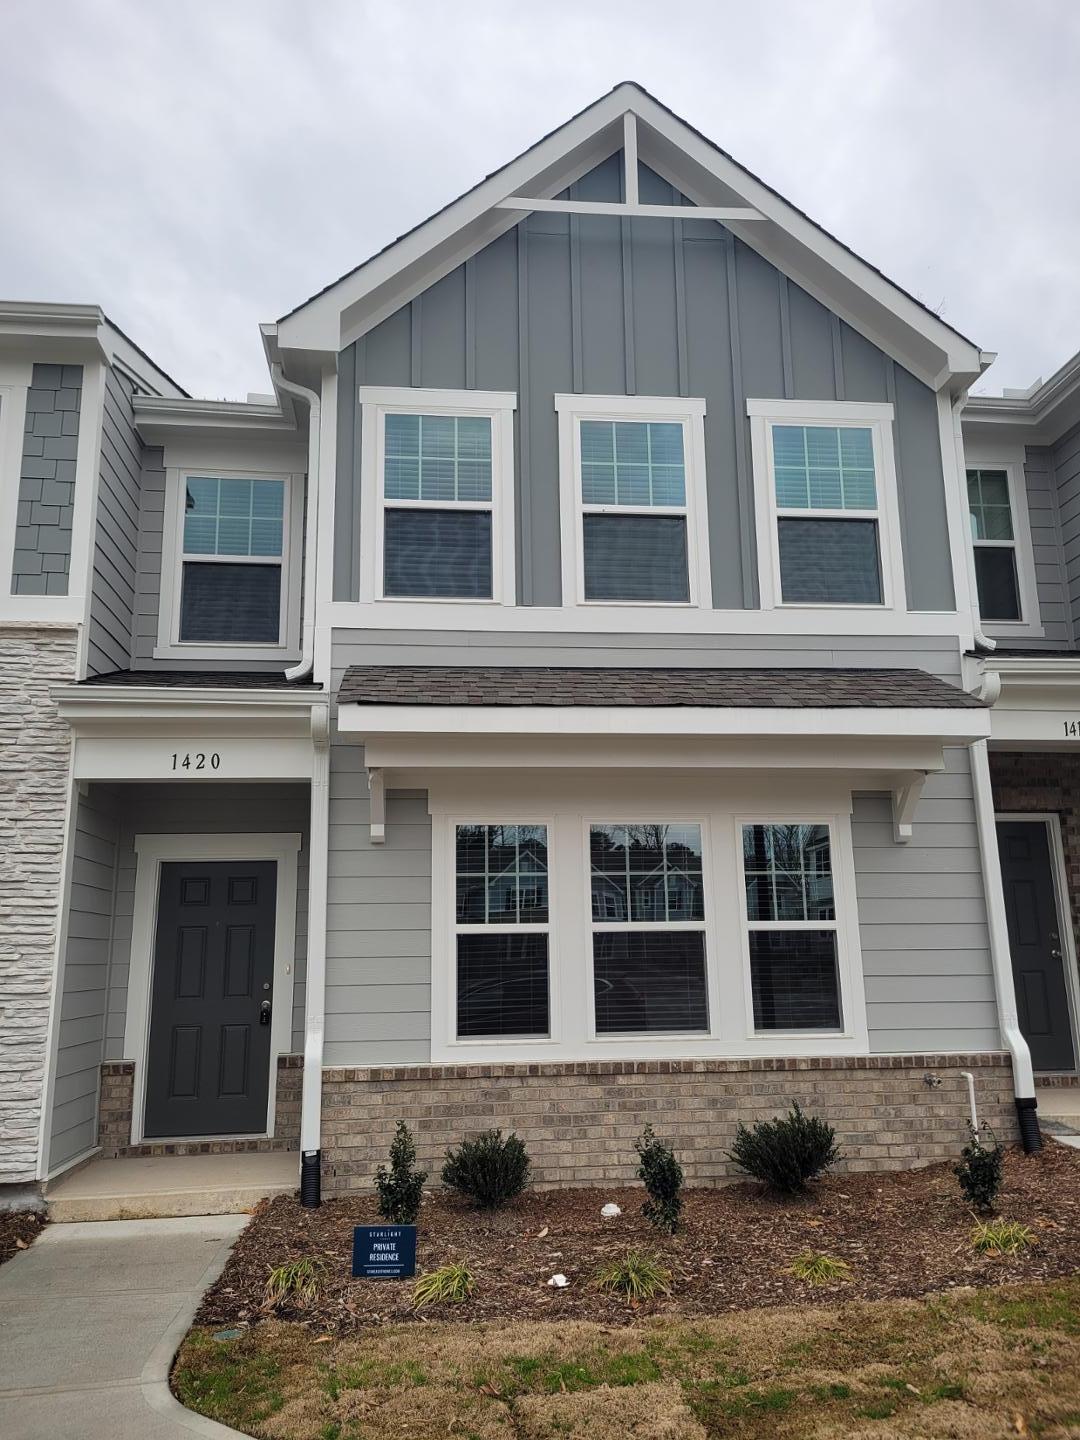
(1028, 1115)
(311, 1178)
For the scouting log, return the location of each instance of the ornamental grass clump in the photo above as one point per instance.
(787, 1153)
(450, 1284)
(296, 1283)
(401, 1187)
(662, 1176)
(491, 1171)
(818, 1269)
(1001, 1237)
(636, 1275)
(981, 1169)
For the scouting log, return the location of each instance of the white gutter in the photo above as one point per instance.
(311, 549)
(1000, 957)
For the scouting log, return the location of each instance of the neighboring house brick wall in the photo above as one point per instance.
(34, 753)
(580, 1121)
(42, 556)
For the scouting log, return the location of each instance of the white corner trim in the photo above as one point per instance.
(690, 413)
(986, 455)
(152, 851)
(495, 405)
(879, 420)
(169, 645)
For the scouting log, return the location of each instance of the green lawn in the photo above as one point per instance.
(974, 1365)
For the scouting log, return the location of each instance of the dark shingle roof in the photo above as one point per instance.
(200, 680)
(566, 686)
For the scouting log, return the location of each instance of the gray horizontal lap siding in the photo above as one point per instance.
(1066, 464)
(116, 535)
(929, 984)
(84, 981)
(596, 305)
(42, 555)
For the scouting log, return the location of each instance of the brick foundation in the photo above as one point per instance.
(580, 1120)
(117, 1099)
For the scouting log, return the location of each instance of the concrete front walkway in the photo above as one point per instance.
(149, 1187)
(91, 1316)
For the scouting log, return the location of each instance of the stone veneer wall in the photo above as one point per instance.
(117, 1098)
(34, 754)
(1041, 784)
(580, 1120)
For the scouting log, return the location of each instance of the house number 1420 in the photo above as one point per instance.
(198, 761)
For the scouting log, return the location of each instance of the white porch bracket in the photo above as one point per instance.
(905, 797)
(377, 787)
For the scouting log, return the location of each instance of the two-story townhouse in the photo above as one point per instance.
(1022, 454)
(548, 709)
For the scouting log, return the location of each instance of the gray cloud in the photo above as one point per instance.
(198, 167)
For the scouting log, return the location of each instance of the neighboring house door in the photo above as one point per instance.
(208, 1065)
(1042, 997)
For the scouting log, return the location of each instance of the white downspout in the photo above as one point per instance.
(982, 641)
(1000, 957)
(311, 550)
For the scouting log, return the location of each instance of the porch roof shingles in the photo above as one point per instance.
(201, 680)
(518, 685)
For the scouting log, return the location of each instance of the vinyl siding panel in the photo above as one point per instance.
(1066, 462)
(83, 983)
(116, 535)
(599, 305)
(1047, 549)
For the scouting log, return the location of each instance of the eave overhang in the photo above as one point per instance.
(1036, 701)
(1040, 418)
(161, 421)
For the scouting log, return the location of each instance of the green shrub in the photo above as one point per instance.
(980, 1169)
(635, 1275)
(401, 1187)
(295, 1283)
(787, 1153)
(450, 1284)
(662, 1176)
(818, 1269)
(488, 1169)
(1001, 1237)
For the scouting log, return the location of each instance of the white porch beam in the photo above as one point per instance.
(630, 158)
(635, 211)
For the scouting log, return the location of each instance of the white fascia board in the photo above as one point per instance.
(84, 705)
(964, 724)
(800, 248)
(1034, 669)
(24, 318)
(160, 419)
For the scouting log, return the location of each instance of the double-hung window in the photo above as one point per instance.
(501, 931)
(1001, 541)
(632, 478)
(229, 578)
(828, 531)
(791, 927)
(438, 484)
(648, 929)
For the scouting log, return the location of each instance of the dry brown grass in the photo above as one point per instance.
(975, 1365)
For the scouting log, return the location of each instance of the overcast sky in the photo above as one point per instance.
(199, 166)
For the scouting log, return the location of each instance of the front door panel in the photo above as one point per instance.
(209, 1056)
(1042, 999)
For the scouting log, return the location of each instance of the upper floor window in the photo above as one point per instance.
(828, 527)
(438, 482)
(1001, 541)
(632, 478)
(230, 571)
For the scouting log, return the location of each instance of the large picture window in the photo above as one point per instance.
(501, 931)
(790, 913)
(438, 482)
(632, 480)
(828, 528)
(648, 924)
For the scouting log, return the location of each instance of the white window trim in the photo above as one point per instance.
(572, 1030)
(571, 410)
(169, 645)
(1009, 458)
(498, 406)
(152, 851)
(878, 418)
(845, 925)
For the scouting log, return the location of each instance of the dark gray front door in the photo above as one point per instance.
(209, 1057)
(1035, 941)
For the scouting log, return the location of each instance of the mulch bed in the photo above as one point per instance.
(18, 1229)
(903, 1234)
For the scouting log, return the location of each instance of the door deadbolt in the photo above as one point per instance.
(264, 1013)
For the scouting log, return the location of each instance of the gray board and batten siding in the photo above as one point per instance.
(41, 562)
(599, 305)
(922, 919)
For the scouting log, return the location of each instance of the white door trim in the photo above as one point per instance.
(1052, 821)
(151, 852)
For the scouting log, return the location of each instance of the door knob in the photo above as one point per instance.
(264, 1013)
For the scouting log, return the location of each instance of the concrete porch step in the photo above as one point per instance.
(161, 1186)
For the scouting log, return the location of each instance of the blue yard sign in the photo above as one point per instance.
(384, 1252)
